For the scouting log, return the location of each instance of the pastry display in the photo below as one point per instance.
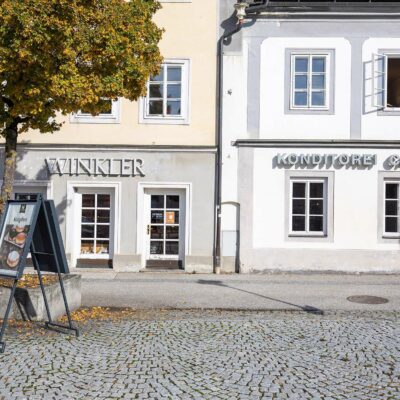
(13, 259)
(19, 228)
(20, 238)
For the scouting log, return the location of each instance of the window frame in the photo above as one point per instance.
(307, 215)
(382, 109)
(95, 224)
(183, 118)
(329, 178)
(310, 74)
(385, 234)
(289, 107)
(86, 118)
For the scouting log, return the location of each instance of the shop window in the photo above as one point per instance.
(386, 81)
(109, 113)
(391, 209)
(95, 224)
(308, 208)
(309, 81)
(167, 96)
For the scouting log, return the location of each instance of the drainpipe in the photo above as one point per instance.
(240, 8)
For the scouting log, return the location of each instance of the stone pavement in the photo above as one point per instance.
(210, 355)
(244, 292)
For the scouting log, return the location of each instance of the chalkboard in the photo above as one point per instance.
(47, 244)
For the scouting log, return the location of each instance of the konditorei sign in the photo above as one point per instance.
(95, 166)
(327, 160)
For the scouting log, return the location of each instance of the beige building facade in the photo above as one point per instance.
(134, 186)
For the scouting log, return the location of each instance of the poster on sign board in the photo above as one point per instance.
(15, 236)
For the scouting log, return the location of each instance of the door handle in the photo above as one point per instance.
(148, 229)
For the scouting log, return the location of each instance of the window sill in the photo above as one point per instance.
(164, 121)
(389, 112)
(311, 111)
(307, 235)
(395, 236)
(93, 120)
(94, 256)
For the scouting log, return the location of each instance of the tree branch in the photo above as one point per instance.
(21, 120)
(7, 101)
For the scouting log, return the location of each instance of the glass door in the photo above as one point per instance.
(164, 226)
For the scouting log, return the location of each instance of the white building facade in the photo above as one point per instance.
(311, 137)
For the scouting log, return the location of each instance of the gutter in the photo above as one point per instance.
(240, 8)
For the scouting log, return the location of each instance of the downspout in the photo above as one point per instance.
(240, 8)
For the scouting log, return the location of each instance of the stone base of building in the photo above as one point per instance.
(320, 260)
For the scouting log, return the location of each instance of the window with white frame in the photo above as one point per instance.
(391, 226)
(386, 80)
(95, 224)
(309, 81)
(109, 113)
(308, 208)
(167, 98)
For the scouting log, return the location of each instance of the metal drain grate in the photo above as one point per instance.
(364, 299)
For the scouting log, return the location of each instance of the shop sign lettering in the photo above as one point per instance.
(327, 160)
(95, 166)
(394, 161)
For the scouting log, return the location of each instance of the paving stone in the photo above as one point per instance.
(209, 355)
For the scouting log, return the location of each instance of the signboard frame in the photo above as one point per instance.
(47, 255)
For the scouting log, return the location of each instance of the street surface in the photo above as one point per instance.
(281, 291)
(209, 355)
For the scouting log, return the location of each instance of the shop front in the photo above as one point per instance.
(128, 209)
(319, 205)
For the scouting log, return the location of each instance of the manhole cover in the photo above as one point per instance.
(363, 299)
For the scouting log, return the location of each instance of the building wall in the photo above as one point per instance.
(275, 119)
(174, 157)
(255, 110)
(190, 33)
(355, 241)
(164, 169)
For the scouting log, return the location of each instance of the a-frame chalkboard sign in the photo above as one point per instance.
(31, 226)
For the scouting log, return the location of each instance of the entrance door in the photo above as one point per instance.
(165, 228)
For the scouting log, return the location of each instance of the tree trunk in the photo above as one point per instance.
(9, 164)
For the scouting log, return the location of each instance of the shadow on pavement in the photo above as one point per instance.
(309, 309)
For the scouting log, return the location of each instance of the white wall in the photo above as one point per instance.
(274, 123)
(355, 203)
(234, 127)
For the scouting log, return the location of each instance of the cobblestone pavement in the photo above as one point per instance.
(209, 355)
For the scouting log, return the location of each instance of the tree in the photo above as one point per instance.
(60, 56)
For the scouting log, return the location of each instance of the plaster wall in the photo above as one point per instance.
(160, 167)
(190, 33)
(356, 243)
(275, 122)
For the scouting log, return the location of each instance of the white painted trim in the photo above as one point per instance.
(154, 149)
(71, 214)
(113, 118)
(184, 119)
(140, 236)
(32, 183)
(310, 55)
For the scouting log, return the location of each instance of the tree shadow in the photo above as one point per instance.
(306, 308)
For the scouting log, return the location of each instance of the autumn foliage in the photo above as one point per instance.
(60, 56)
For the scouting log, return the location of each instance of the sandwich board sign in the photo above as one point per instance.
(31, 226)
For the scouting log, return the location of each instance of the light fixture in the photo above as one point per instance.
(240, 8)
